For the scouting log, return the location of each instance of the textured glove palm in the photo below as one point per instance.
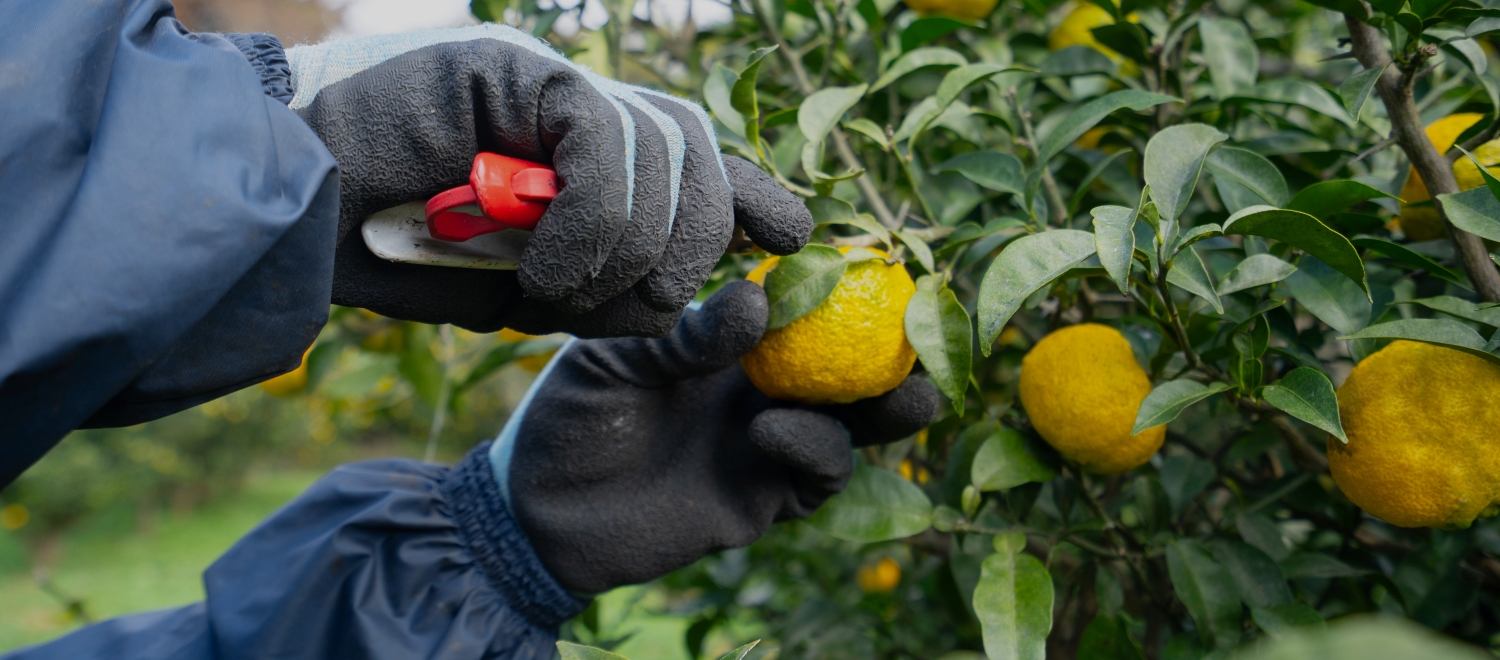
(645, 211)
(634, 457)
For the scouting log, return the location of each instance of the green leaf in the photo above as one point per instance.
(1490, 181)
(1231, 55)
(1355, 8)
(800, 282)
(918, 59)
(1487, 314)
(1169, 399)
(991, 169)
(1363, 638)
(1174, 158)
(1317, 565)
(960, 79)
(1125, 38)
(1027, 264)
(716, 93)
(1086, 116)
(1007, 460)
(835, 211)
(1250, 170)
(1475, 211)
(739, 653)
(1302, 231)
(1259, 531)
(821, 110)
(1189, 273)
(1256, 576)
(1297, 91)
(1481, 26)
(937, 326)
(1280, 621)
(1329, 296)
(782, 117)
(1323, 199)
(1207, 589)
(1441, 332)
(742, 94)
(868, 129)
(993, 233)
(1076, 61)
(1254, 271)
(1412, 259)
(1356, 89)
(918, 248)
(928, 29)
(1308, 395)
(571, 651)
(1193, 235)
(877, 505)
(419, 366)
(1182, 478)
(1114, 240)
(1013, 602)
(499, 356)
(1107, 639)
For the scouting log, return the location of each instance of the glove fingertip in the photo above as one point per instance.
(805, 440)
(739, 311)
(909, 408)
(775, 219)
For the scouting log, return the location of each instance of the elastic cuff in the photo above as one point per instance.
(268, 57)
(501, 548)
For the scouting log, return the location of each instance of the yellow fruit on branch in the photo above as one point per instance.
(1082, 388)
(852, 346)
(971, 9)
(1077, 29)
(1421, 421)
(1419, 220)
(881, 577)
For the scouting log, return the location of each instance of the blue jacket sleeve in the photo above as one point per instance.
(168, 223)
(385, 560)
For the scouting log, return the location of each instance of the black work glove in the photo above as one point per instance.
(645, 210)
(635, 457)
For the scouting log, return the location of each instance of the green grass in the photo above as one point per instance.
(116, 568)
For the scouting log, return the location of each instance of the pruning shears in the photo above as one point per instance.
(484, 224)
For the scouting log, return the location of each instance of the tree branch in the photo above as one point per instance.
(840, 141)
(1395, 92)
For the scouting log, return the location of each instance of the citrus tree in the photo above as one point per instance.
(1213, 314)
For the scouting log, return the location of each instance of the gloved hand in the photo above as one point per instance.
(634, 457)
(645, 209)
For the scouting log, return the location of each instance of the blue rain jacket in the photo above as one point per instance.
(384, 560)
(166, 224)
(168, 238)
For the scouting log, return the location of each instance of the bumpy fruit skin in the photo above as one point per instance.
(970, 9)
(1423, 450)
(1422, 223)
(1076, 29)
(852, 347)
(1082, 388)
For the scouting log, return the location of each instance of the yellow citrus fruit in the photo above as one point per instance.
(1422, 223)
(880, 577)
(852, 346)
(1421, 422)
(1076, 29)
(291, 382)
(532, 363)
(14, 517)
(1082, 388)
(970, 9)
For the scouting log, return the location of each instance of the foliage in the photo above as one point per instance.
(1222, 198)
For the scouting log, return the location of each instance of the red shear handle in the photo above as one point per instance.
(510, 192)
